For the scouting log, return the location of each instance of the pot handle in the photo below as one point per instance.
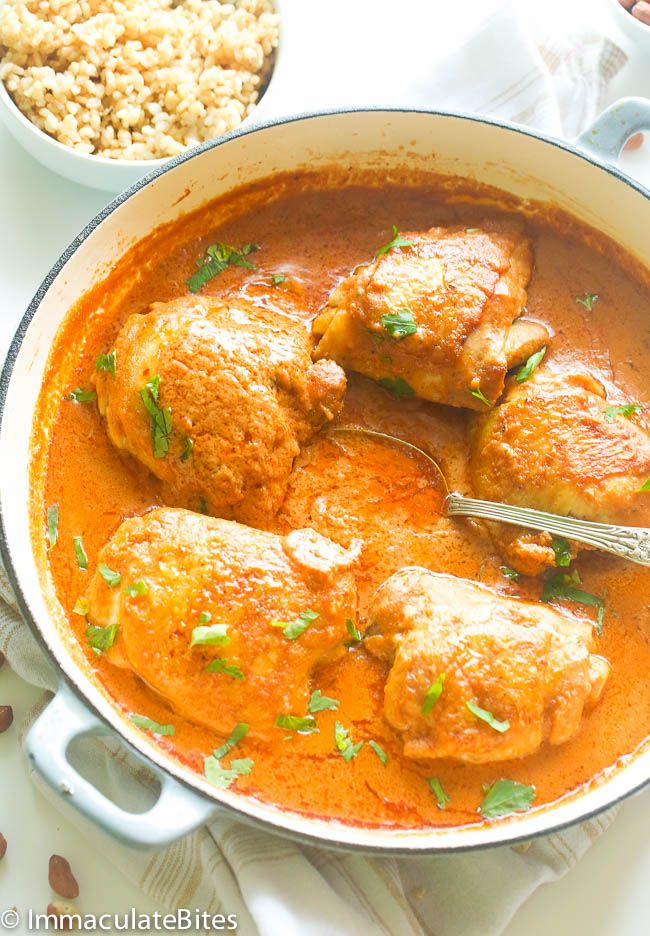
(609, 133)
(176, 812)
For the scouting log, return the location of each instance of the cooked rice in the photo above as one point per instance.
(136, 79)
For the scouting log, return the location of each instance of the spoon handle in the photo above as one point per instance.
(631, 543)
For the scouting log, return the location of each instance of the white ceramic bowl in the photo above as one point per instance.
(99, 172)
(634, 29)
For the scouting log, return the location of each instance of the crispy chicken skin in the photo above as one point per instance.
(195, 566)
(524, 663)
(549, 445)
(243, 395)
(464, 288)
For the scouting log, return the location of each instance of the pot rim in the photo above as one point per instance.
(273, 820)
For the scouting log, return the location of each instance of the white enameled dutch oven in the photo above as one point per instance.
(578, 178)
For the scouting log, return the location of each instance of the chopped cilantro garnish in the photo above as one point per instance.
(294, 629)
(222, 777)
(205, 617)
(353, 631)
(81, 396)
(278, 278)
(111, 578)
(399, 324)
(80, 552)
(506, 796)
(321, 703)
(161, 417)
(441, 797)
(101, 638)
(626, 410)
(212, 635)
(107, 362)
(148, 724)
(432, 694)
(562, 586)
(398, 386)
(303, 724)
(219, 665)
(531, 364)
(52, 525)
(588, 300)
(239, 731)
(379, 751)
(216, 259)
(136, 588)
(188, 446)
(562, 551)
(510, 573)
(479, 395)
(487, 717)
(645, 486)
(344, 744)
(396, 241)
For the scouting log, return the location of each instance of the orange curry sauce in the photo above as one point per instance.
(314, 231)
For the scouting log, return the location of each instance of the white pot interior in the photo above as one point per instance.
(519, 163)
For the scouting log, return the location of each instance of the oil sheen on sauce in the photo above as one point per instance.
(349, 487)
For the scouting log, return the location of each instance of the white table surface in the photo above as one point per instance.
(606, 895)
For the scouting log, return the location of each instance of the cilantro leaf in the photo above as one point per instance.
(216, 259)
(479, 395)
(506, 796)
(533, 362)
(510, 573)
(213, 635)
(107, 362)
(399, 324)
(562, 586)
(344, 744)
(101, 638)
(52, 525)
(111, 578)
(278, 278)
(627, 410)
(148, 724)
(188, 447)
(396, 241)
(379, 751)
(293, 630)
(354, 632)
(222, 777)
(219, 665)
(81, 396)
(397, 386)
(161, 417)
(645, 486)
(136, 588)
(432, 694)
(487, 717)
(321, 703)
(588, 300)
(239, 731)
(80, 553)
(562, 551)
(303, 724)
(440, 795)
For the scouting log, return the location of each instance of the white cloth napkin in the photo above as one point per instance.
(478, 58)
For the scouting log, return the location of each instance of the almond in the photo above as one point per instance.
(61, 878)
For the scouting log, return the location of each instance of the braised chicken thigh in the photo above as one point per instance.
(437, 314)
(216, 398)
(556, 444)
(478, 677)
(226, 623)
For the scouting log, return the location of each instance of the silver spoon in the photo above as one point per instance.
(631, 543)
